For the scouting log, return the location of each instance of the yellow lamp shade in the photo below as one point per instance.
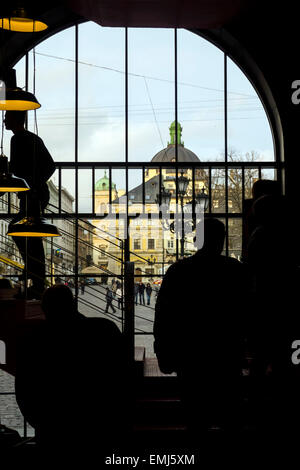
(17, 99)
(12, 184)
(22, 25)
(19, 20)
(8, 182)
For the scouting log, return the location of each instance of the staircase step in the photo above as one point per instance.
(151, 368)
(159, 412)
(139, 360)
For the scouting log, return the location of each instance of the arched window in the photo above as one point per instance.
(94, 118)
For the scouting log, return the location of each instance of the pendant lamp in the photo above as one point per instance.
(16, 99)
(13, 98)
(33, 225)
(8, 182)
(20, 21)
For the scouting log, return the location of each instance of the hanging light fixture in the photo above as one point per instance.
(8, 182)
(19, 21)
(33, 225)
(16, 99)
(13, 98)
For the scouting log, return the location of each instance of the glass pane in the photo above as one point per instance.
(145, 297)
(235, 238)
(218, 190)
(68, 190)
(102, 191)
(53, 184)
(235, 190)
(85, 199)
(150, 91)
(55, 90)
(200, 97)
(251, 175)
(20, 69)
(268, 174)
(101, 94)
(93, 299)
(249, 133)
(60, 252)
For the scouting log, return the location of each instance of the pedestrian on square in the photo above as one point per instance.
(141, 291)
(136, 293)
(82, 286)
(148, 292)
(119, 297)
(109, 299)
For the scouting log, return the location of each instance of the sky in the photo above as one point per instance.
(151, 99)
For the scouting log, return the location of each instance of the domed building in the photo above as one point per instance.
(147, 240)
(168, 154)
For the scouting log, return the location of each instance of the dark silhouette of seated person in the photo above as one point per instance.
(198, 330)
(30, 160)
(261, 187)
(272, 247)
(273, 255)
(70, 379)
(5, 283)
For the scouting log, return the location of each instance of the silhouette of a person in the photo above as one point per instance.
(141, 290)
(30, 160)
(198, 330)
(261, 187)
(109, 298)
(70, 378)
(273, 260)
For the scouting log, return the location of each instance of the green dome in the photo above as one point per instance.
(172, 130)
(103, 184)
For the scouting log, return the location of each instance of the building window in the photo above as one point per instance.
(151, 244)
(170, 243)
(149, 270)
(137, 244)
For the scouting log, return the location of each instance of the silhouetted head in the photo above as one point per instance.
(263, 187)
(269, 209)
(15, 120)
(214, 236)
(58, 304)
(5, 283)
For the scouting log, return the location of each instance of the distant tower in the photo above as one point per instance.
(172, 130)
(102, 194)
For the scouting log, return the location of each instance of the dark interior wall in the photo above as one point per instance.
(270, 33)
